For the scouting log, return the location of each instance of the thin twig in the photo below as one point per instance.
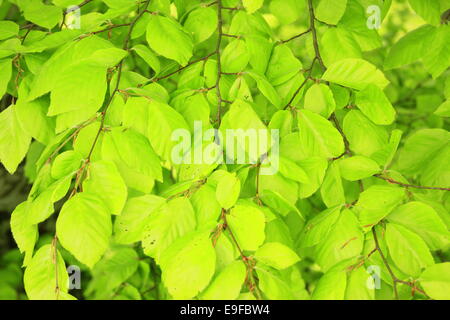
(395, 280)
(344, 137)
(289, 104)
(294, 37)
(219, 66)
(119, 75)
(72, 136)
(251, 283)
(55, 262)
(110, 28)
(314, 33)
(406, 185)
(386, 263)
(205, 58)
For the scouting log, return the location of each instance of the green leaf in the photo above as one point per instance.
(444, 109)
(195, 108)
(117, 265)
(188, 265)
(345, 240)
(43, 15)
(355, 73)
(8, 29)
(14, 141)
(134, 157)
(117, 4)
(234, 57)
(286, 188)
(358, 285)
(376, 202)
(168, 38)
(162, 122)
(408, 251)
(358, 167)
(267, 89)
(364, 136)
(338, 44)
(247, 224)
(104, 180)
(291, 170)
(66, 163)
(85, 90)
(149, 57)
(436, 281)
(201, 23)
(170, 222)
(421, 148)
(259, 49)
(206, 207)
(25, 234)
(129, 226)
(283, 65)
(355, 20)
(5, 75)
(281, 120)
(423, 220)
(315, 168)
(228, 190)
(43, 274)
(375, 105)
(331, 286)
(330, 11)
(409, 48)
(244, 121)
(42, 206)
(437, 59)
(33, 117)
(84, 227)
(276, 255)
(227, 284)
(318, 228)
(332, 191)
(287, 11)
(318, 136)
(429, 10)
(252, 5)
(319, 99)
(281, 285)
(385, 155)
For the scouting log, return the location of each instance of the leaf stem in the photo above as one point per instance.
(406, 185)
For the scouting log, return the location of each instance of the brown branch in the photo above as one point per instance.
(182, 68)
(406, 185)
(55, 262)
(317, 56)
(230, 35)
(72, 136)
(210, 4)
(231, 8)
(386, 263)
(250, 267)
(344, 137)
(289, 104)
(314, 33)
(395, 280)
(110, 28)
(119, 75)
(219, 65)
(294, 37)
